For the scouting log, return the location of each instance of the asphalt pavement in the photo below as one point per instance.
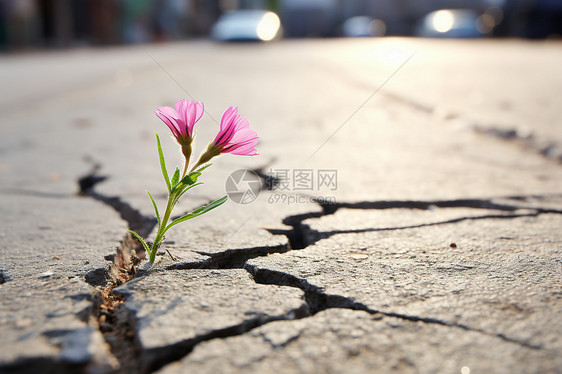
(409, 219)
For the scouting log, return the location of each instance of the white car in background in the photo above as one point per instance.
(247, 25)
(454, 23)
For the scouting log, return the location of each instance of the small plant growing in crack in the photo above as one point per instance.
(234, 136)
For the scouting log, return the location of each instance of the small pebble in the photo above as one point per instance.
(453, 245)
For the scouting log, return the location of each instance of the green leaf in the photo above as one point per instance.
(187, 182)
(155, 207)
(190, 178)
(198, 212)
(163, 164)
(200, 170)
(176, 177)
(146, 248)
(176, 199)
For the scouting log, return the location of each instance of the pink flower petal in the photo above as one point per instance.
(235, 135)
(228, 116)
(170, 112)
(181, 120)
(170, 122)
(199, 110)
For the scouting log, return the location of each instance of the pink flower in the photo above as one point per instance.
(235, 135)
(181, 121)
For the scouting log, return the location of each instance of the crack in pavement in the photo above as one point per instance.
(304, 234)
(301, 235)
(316, 299)
(539, 144)
(118, 326)
(229, 259)
(269, 182)
(134, 218)
(157, 358)
(545, 147)
(319, 301)
(113, 320)
(123, 326)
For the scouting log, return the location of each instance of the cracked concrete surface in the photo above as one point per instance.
(495, 280)
(346, 341)
(47, 326)
(175, 310)
(442, 252)
(53, 236)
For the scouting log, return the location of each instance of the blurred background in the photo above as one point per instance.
(33, 24)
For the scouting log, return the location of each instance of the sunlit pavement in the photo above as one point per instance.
(439, 252)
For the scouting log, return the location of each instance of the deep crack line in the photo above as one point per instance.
(229, 259)
(134, 218)
(426, 205)
(125, 259)
(318, 301)
(330, 208)
(113, 320)
(120, 327)
(455, 325)
(318, 235)
(301, 235)
(547, 148)
(156, 358)
(445, 222)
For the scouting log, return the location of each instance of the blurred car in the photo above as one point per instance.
(247, 25)
(452, 23)
(362, 26)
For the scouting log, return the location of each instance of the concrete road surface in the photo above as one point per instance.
(410, 217)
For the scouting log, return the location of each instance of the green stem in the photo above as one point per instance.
(184, 169)
(161, 229)
(212, 151)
